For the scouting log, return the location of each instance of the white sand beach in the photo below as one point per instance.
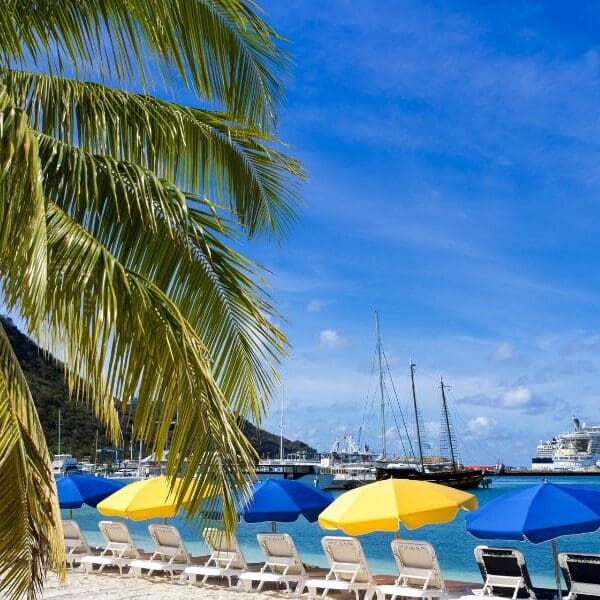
(113, 587)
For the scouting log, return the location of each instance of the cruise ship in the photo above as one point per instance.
(577, 450)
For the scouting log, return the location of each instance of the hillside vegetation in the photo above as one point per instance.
(45, 376)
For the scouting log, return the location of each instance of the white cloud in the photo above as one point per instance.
(330, 339)
(316, 305)
(504, 352)
(518, 397)
(481, 427)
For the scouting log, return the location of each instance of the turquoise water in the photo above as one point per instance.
(452, 542)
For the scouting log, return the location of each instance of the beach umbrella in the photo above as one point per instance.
(385, 505)
(538, 514)
(284, 500)
(76, 490)
(146, 499)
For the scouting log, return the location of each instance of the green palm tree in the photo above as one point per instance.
(119, 214)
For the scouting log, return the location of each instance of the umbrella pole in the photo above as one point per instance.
(70, 513)
(273, 527)
(556, 569)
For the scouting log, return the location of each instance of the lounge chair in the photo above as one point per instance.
(582, 574)
(504, 572)
(119, 549)
(348, 572)
(226, 558)
(170, 554)
(282, 564)
(76, 545)
(419, 572)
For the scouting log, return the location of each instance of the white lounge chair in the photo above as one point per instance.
(226, 558)
(582, 574)
(119, 548)
(170, 554)
(348, 572)
(76, 545)
(283, 564)
(419, 572)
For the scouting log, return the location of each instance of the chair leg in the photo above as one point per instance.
(246, 584)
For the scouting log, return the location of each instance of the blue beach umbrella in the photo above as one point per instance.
(284, 500)
(76, 490)
(538, 514)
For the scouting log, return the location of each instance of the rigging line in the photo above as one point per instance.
(395, 420)
(412, 451)
(462, 428)
(364, 418)
(371, 409)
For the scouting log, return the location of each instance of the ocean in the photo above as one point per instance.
(453, 544)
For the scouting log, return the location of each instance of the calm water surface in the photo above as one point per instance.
(454, 545)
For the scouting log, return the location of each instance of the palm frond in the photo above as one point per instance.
(31, 540)
(212, 45)
(22, 215)
(203, 152)
(100, 313)
(151, 229)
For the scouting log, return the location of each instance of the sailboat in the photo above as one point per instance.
(446, 472)
(62, 463)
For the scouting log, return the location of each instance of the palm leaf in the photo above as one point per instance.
(102, 317)
(31, 539)
(203, 152)
(210, 45)
(22, 215)
(151, 229)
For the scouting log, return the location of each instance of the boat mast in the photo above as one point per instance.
(447, 419)
(96, 452)
(414, 394)
(59, 431)
(384, 449)
(281, 422)
(140, 458)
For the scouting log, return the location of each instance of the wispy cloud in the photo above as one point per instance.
(330, 339)
(502, 353)
(518, 399)
(317, 305)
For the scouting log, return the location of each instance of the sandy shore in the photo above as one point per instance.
(109, 586)
(113, 587)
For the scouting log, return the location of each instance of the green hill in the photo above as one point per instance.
(45, 376)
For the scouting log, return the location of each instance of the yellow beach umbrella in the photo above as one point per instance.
(146, 499)
(385, 505)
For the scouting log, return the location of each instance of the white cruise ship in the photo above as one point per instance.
(573, 451)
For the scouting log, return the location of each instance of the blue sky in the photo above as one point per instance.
(454, 172)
